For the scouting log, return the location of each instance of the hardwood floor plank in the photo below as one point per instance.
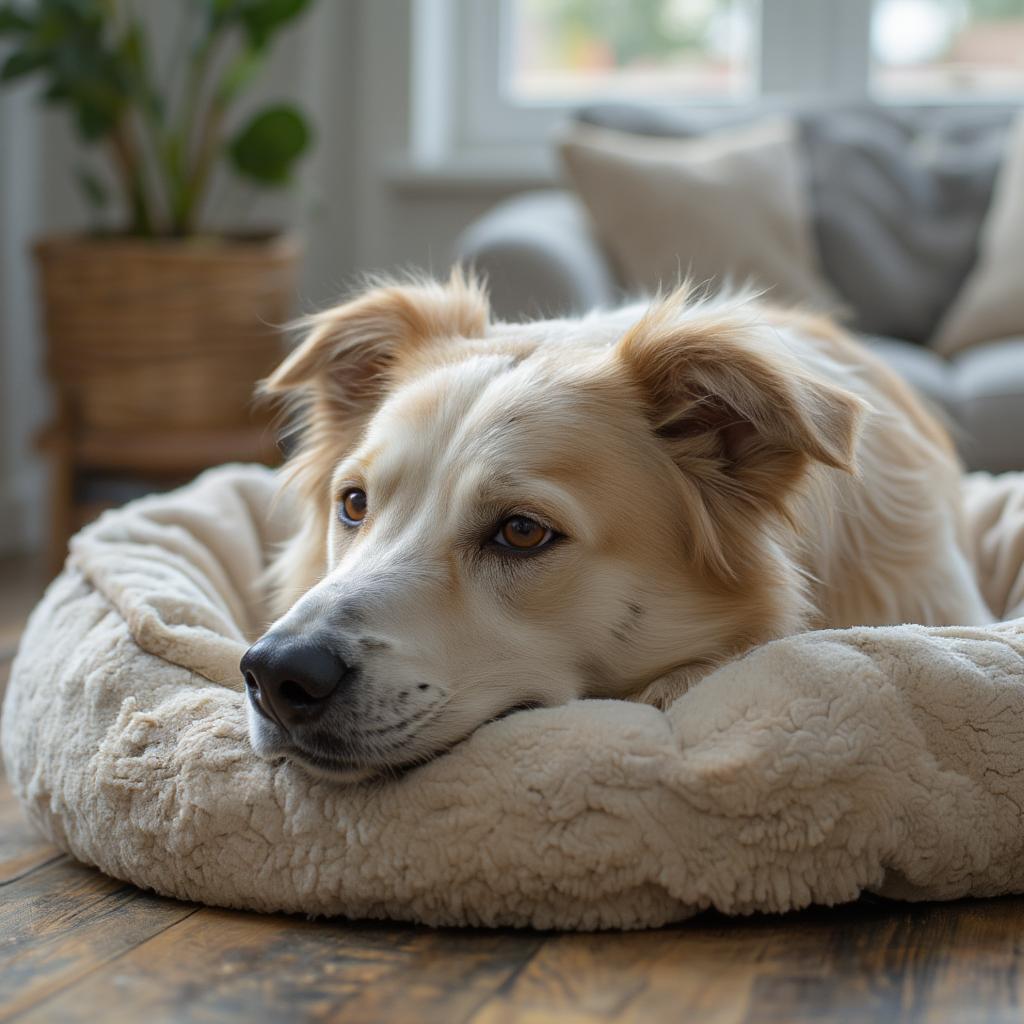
(221, 965)
(653, 975)
(497, 1013)
(977, 968)
(64, 920)
(21, 849)
(867, 963)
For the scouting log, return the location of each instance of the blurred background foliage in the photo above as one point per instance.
(163, 135)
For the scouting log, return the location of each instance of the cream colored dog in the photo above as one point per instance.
(506, 515)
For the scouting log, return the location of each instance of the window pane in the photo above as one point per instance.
(565, 50)
(925, 48)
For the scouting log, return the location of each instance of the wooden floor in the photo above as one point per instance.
(76, 946)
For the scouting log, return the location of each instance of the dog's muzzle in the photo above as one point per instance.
(291, 679)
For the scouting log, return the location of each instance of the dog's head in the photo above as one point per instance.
(499, 518)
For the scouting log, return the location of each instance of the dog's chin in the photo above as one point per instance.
(338, 770)
(329, 769)
(270, 744)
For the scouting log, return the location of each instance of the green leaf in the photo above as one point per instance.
(23, 62)
(262, 18)
(172, 157)
(93, 187)
(132, 47)
(57, 92)
(172, 154)
(267, 147)
(12, 21)
(131, 69)
(221, 11)
(94, 120)
(98, 103)
(221, 15)
(81, 10)
(259, 18)
(240, 72)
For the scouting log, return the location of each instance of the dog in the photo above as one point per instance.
(499, 516)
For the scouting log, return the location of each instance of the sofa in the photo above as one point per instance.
(897, 198)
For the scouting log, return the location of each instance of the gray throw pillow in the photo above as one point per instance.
(897, 195)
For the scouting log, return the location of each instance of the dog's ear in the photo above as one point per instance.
(740, 420)
(350, 350)
(335, 379)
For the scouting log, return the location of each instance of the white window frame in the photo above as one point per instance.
(465, 125)
(461, 109)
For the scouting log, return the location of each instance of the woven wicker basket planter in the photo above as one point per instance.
(164, 333)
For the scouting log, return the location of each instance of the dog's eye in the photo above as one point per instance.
(352, 507)
(523, 534)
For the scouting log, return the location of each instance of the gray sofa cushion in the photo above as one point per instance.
(929, 374)
(898, 196)
(979, 394)
(988, 404)
(898, 200)
(540, 258)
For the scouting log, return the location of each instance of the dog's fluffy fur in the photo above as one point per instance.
(722, 473)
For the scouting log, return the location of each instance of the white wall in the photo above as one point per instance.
(359, 206)
(404, 215)
(23, 399)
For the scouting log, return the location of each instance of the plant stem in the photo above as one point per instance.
(128, 166)
(176, 60)
(186, 200)
(129, 150)
(209, 144)
(152, 124)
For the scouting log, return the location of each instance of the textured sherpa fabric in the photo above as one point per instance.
(810, 770)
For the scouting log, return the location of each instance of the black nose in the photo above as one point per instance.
(291, 678)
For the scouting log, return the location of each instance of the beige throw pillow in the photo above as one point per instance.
(990, 304)
(726, 208)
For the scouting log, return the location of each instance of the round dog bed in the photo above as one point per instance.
(810, 770)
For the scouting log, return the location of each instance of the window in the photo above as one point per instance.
(512, 69)
(565, 50)
(942, 48)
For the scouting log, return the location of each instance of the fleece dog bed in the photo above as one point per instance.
(812, 769)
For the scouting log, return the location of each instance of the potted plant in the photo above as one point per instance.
(158, 324)
(162, 319)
